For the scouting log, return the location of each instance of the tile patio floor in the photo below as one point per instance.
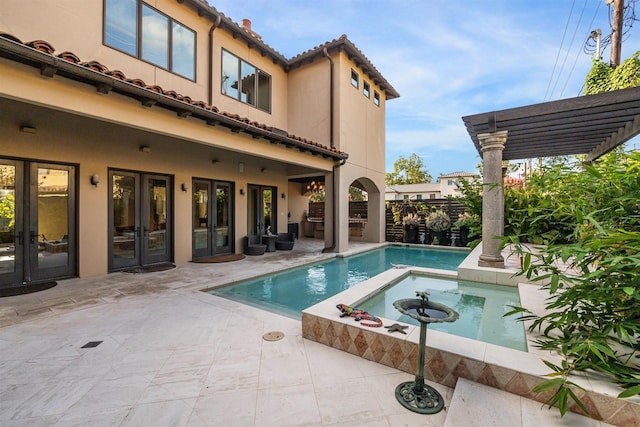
(171, 355)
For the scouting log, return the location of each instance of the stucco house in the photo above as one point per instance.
(139, 132)
(445, 186)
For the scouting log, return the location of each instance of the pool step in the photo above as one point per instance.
(476, 404)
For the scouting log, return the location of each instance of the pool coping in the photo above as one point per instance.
(449, 357)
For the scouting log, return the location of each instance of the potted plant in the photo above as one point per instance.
(410, 224)
(439, 222)
(464, 222)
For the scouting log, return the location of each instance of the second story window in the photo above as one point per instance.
(365, 89)
(376, 98)
(354, 79)
(244, 82)
(133, 27)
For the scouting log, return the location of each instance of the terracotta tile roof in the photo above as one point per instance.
(249, 36)
(50, 64)
(459, 174)
(354, 54)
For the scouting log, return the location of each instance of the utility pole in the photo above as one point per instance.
(597, 36)
(616, 36)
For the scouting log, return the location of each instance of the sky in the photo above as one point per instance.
(446, 58)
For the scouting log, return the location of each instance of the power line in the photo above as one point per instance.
(559, 49)
(569, 49)
(575, 61)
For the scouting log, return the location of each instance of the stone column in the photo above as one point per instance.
(492, 198)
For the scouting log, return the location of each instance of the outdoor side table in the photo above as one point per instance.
(270, 241)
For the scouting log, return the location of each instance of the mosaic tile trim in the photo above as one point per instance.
(445, 367)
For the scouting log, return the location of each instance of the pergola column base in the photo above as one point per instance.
(491, 262)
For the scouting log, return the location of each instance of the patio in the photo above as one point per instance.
(171, 355)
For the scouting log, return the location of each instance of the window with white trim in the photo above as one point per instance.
(355, 79)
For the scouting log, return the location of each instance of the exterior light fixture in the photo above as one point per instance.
(28, 129)
(145, 149)
(184, 186)
(95, 179)
(283, 195)
(242, 191)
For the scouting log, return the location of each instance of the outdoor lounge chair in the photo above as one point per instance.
(253, 245)
(285, 241)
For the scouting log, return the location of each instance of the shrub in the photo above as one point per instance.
(438, 220)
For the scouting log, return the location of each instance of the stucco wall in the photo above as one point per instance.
(77, 26)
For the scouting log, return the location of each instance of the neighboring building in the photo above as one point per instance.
(134, 133)
(413, 191)
(512, 182)
(449, 182)
(446, 185)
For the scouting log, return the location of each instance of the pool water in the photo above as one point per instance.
(481, 307)
(291, 291)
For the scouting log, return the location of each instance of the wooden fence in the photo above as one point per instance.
(393, 231)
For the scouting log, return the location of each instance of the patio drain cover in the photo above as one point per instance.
(92, 344)
(273, 336)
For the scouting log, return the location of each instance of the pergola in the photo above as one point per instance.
(592, 125)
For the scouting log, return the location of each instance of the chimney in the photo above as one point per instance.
(246, 25)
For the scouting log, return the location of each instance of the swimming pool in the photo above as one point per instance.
(291, 291)
(481, 307)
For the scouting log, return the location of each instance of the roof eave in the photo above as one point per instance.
(50, 65)
(355, 55)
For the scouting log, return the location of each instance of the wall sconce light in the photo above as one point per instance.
(214, 161)
(95, 179)
(184, 186)
(263, 170)
(242, 191)
(145, 149)
(28, 129)
(283, 195)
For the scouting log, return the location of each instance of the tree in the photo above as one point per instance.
(355, 195)
(588, 219)
(408, 171)
(603, 78)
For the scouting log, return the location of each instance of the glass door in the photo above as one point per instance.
(37, 222)
(202, 230)
(222, 222)
(11, 223)
(156, 239)
(125, 220)
(261, 210)
(212, 218)
(140, 218)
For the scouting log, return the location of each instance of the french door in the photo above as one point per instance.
(37, 222)
(212, 218)
(261, 210)
(140, 218)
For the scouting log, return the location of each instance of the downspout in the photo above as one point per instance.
(210, 79)
(332, 248)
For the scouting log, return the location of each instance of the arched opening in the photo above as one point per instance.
(366, 211)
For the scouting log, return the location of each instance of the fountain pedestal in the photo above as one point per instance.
(416, 395)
